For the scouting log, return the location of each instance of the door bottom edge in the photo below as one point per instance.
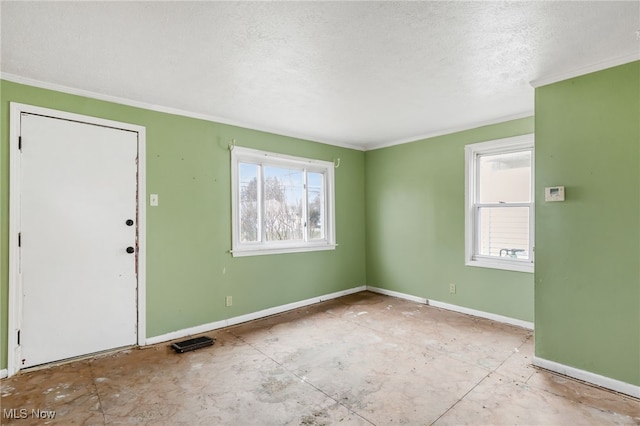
(92, 355)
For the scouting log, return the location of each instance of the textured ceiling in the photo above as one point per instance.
(362, 74)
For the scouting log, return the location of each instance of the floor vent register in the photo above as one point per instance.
(192, 344)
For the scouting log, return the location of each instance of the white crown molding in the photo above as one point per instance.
(160, 108)
(599, 66)
(249, 317)
(451, 130)
(587, 376)
(175, 111)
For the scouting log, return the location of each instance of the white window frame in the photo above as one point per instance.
(472, 153)
(265, 158)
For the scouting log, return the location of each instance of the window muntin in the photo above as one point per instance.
(281, 203)
(499, 200)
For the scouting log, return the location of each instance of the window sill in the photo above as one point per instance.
(507, 265)
(260, 251)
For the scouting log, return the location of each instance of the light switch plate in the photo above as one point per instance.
(153, 200)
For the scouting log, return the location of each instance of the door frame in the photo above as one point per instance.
(15, 308)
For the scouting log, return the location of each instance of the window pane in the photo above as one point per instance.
(505, 177)
(315, 200)
(504, 232)
(249, 206)
(283, 197)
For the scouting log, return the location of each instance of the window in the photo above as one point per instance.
(499, 204)
(281, 204)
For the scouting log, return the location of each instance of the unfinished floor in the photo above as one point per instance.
(359, 360)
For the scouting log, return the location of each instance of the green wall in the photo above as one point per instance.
(189, 233)
(415, 225)
(409, 202)
(587, 279)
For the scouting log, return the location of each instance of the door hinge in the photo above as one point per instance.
(18, 337)
(20, 143)
(19, 239)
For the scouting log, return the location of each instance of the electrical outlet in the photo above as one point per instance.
(228, 301)
(452, 288)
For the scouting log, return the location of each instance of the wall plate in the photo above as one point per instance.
(554, 193)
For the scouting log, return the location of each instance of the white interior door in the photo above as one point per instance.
(78, 190)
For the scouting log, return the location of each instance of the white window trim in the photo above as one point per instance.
(247, 155)
(524, 142)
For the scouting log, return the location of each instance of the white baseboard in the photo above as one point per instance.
(249, 317)
(186, 332)
(494, 317)
(397, 294)
(488, 315)
(4, 373)
(587, 376)
(596, 379)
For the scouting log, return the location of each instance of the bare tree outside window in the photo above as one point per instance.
(281, 204)
(249, 219)
(283, 190)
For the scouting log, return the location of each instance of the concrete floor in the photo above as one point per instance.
(358, 360)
